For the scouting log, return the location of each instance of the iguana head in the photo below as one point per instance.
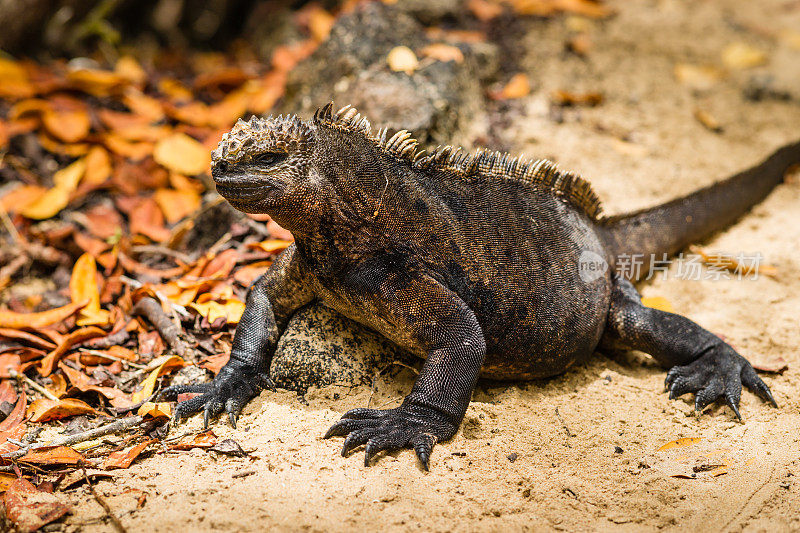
(262, 165)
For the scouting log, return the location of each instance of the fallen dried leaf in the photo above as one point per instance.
(56, 455)
(44, 409)
(29, 508)
(206, 439)
(155, 410)
(9, 319)
(775, 365)
(83, 287)
(443, 52)
(566, 98)
(181, 153)
(679, 443)
(176, 204)
(98, 166)
(148, 385)
(518, 86)
(124, 458)
(55, 199)
(65, 344)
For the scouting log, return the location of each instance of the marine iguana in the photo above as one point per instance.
(470, 261)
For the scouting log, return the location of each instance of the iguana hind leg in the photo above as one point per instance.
(699, 361)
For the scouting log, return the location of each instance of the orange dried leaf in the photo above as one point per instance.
(55, 199)
(148, 385)
(15, 418)
(776, 364)
(129, 69)
(13, 320)
(69, 126)
(177, 204)
(135, 151)
(14, 80)
(82, 287)
(124, 458)
(566, 98)
(443, 52)
(214, 363)
(79, 335)
(96, 82)
(18, 199)
(518, 86)
(98, 165)
(155, 410)
(181, 153)
(84, 383)
(30, 508)
(231, 310)
(206, 439)
(57, 386)
(6, 480)
(57, 455)
(44, 409)
(679, 443)
(147, 219)
(485, 10)
(270, 245)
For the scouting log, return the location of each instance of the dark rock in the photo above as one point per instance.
(436, 102)
(321, 347)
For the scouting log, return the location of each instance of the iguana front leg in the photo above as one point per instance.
(271, 301)
(415, 306)
(699, 361)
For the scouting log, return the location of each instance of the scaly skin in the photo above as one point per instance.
(468, 261)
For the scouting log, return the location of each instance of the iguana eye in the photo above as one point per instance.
(269, 158)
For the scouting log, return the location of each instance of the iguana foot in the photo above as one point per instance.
(229, 391)
(414, 427)
(719, 373)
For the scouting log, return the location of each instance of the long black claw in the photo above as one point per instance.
(424, 458)
(733, 405)
(206, 415)
(232, 419)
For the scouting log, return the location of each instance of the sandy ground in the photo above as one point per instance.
(578, 452)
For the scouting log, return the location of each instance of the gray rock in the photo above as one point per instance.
(436, 102)
(321, 347)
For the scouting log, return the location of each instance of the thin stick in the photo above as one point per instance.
(104, 504)
(9, 225)
(98, 353)
(114, 427)
(35, 386)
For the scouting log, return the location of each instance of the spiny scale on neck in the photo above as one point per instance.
(494, 165)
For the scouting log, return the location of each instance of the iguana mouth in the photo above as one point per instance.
(237, 192)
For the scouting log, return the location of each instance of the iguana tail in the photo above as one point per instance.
(670, 227)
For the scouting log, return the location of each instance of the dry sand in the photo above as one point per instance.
(562, 433)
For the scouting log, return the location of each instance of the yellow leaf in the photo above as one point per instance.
(658, 302)
(45, 409)
(698, 77)
(232, 310)
(149, 384)
(181, 153)
(56, 199)
(82, 287)
(679, 443)
(155, 410)
(98, 165)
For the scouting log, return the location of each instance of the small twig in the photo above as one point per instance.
(161, 250)
(398, 363)
(219, 244)
(104, 504)
(8, 271)
(15, 236)
(114, 427)
(104, 355)
(150, 308)
(35, 386)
